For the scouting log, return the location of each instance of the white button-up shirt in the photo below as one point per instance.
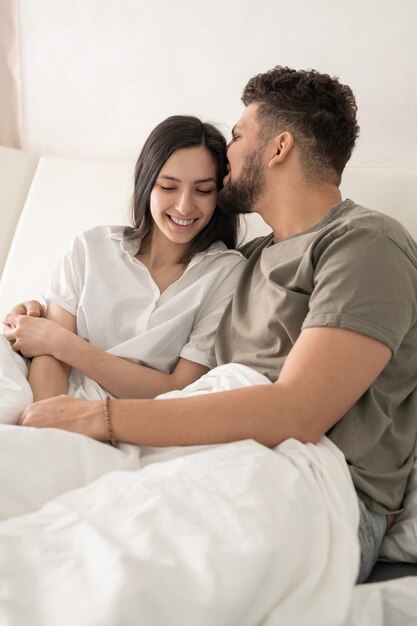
(120, 309)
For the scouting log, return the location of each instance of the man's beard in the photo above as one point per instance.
(241, 196)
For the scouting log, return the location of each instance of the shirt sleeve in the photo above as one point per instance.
(365, 282)
(200, 346)
(66, 280)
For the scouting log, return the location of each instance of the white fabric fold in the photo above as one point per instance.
(232, 534)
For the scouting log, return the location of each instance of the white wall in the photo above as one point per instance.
(97, 75)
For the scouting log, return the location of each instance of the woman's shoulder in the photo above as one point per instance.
(219, 248)
(218, 253)
(97, 235)
(111, 231)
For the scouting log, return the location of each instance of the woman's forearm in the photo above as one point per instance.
(121, 378)
(48, 377)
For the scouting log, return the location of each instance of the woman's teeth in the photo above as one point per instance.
(181, 222)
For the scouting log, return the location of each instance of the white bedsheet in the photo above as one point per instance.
(389, 603)
(15, 392)
(232, 534)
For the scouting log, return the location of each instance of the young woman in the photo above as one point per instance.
(132, 312)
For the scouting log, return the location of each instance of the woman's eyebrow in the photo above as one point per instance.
(177, 180)
(205, 180)
(199, 181)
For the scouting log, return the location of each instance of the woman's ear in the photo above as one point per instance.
(282, 145)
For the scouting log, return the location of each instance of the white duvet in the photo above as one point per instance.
(233, 534)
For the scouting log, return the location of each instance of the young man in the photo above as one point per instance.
(326, 309)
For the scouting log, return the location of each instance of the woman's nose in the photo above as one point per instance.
(185, 205)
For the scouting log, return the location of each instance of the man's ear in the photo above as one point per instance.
(282, 145)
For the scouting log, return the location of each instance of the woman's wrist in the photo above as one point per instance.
(61, 343)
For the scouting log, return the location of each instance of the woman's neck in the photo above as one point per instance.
(156, 251)
(163, 258)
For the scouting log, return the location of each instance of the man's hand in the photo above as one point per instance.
(32, 308)
(79, 416)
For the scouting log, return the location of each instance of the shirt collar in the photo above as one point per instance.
(132, 247)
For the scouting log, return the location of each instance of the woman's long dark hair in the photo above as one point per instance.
(174, 133)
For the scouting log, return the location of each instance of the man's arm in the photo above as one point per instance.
(327, 371)
(48, 377)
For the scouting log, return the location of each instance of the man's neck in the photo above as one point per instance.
(297, 209)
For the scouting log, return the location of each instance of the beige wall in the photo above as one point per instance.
(10, 105)
(97, 75)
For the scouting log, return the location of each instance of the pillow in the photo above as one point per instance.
(400, 542)
(15, 392)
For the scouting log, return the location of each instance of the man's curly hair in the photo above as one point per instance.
(317, 109)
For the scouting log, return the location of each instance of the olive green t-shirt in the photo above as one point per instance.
(355, 269)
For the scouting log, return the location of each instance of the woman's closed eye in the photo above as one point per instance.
(205, 191)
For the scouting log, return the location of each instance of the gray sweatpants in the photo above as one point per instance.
(371, 531)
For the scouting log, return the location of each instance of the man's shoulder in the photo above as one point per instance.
(365, 223)
(249, 247)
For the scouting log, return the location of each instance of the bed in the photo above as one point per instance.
(176, 536)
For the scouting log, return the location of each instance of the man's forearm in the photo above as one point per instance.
(260, 413)
(48, 377)
(327, 371)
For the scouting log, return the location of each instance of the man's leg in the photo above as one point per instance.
(371, 532)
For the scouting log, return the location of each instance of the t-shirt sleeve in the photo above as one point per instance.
(364, 282)
(200, 346)
(66, 280)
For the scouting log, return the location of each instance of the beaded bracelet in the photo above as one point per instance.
(107, 419)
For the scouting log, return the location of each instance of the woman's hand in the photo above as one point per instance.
(32, 308)
(34, 336)
(79, 416)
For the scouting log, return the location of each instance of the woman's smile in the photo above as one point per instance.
(180, 222)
